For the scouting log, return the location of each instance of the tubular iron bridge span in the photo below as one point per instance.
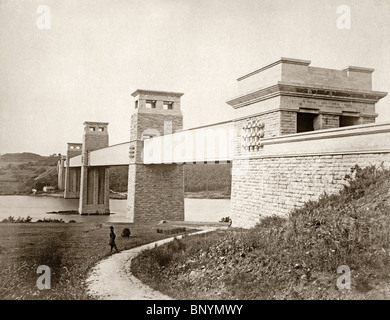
(204, 144)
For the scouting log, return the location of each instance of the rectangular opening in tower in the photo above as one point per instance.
(167, 105)
(90, 185)
(150, 104)
(78, 177)
(348, 121)
(101, 184)
(305, 122)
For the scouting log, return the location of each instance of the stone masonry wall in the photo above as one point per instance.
(326, 121)
(155, 122)
(327, 105)
(157, 193)
(95, 141)
(288, 122)
(276, 185)
(271, 129)
(366, 120)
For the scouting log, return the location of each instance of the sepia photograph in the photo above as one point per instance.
(195, 156)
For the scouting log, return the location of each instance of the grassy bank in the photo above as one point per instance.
(294, 258)
(70, 250)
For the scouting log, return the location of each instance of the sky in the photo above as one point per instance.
(97, 52)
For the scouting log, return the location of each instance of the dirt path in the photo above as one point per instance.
(111, 278)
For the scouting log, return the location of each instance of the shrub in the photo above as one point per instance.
(11, 219)
(360, 179)
(50, 220)
(126, 232)
(162, 255)
(171, 230)
(176, 245)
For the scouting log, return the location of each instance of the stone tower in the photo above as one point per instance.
(61, 173)
(155, 192)
(72, 175)
(94, 186)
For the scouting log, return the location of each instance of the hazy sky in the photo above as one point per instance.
(96, 53)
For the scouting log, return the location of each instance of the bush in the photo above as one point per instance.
(162, 255)
(50, 220)
(11, 219)
(126, 232)
(171, 230)
(176, 245)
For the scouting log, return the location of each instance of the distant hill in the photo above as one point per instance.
(20, 172)
(21, 157)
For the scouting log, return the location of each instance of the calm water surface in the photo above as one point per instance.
(37, 207)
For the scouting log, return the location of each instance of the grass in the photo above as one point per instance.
(69, 249)
(294, 258)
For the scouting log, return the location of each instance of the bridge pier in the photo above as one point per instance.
(72, 175)
(61, 173)
(155, 192)
(94, 182)
(95, 190)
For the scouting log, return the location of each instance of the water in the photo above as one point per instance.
(37, 207)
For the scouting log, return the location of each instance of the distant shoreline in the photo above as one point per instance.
(123, 195)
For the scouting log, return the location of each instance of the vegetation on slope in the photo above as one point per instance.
(294, 258)
(207, 177)
(21, 172)
(119, 178)
(206, 180)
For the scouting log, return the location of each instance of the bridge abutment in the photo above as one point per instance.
(299, 130)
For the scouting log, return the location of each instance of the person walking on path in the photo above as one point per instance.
(112, 239)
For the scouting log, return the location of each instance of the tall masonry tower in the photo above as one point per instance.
(72, 175)
(155, 192)
(94, 187)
